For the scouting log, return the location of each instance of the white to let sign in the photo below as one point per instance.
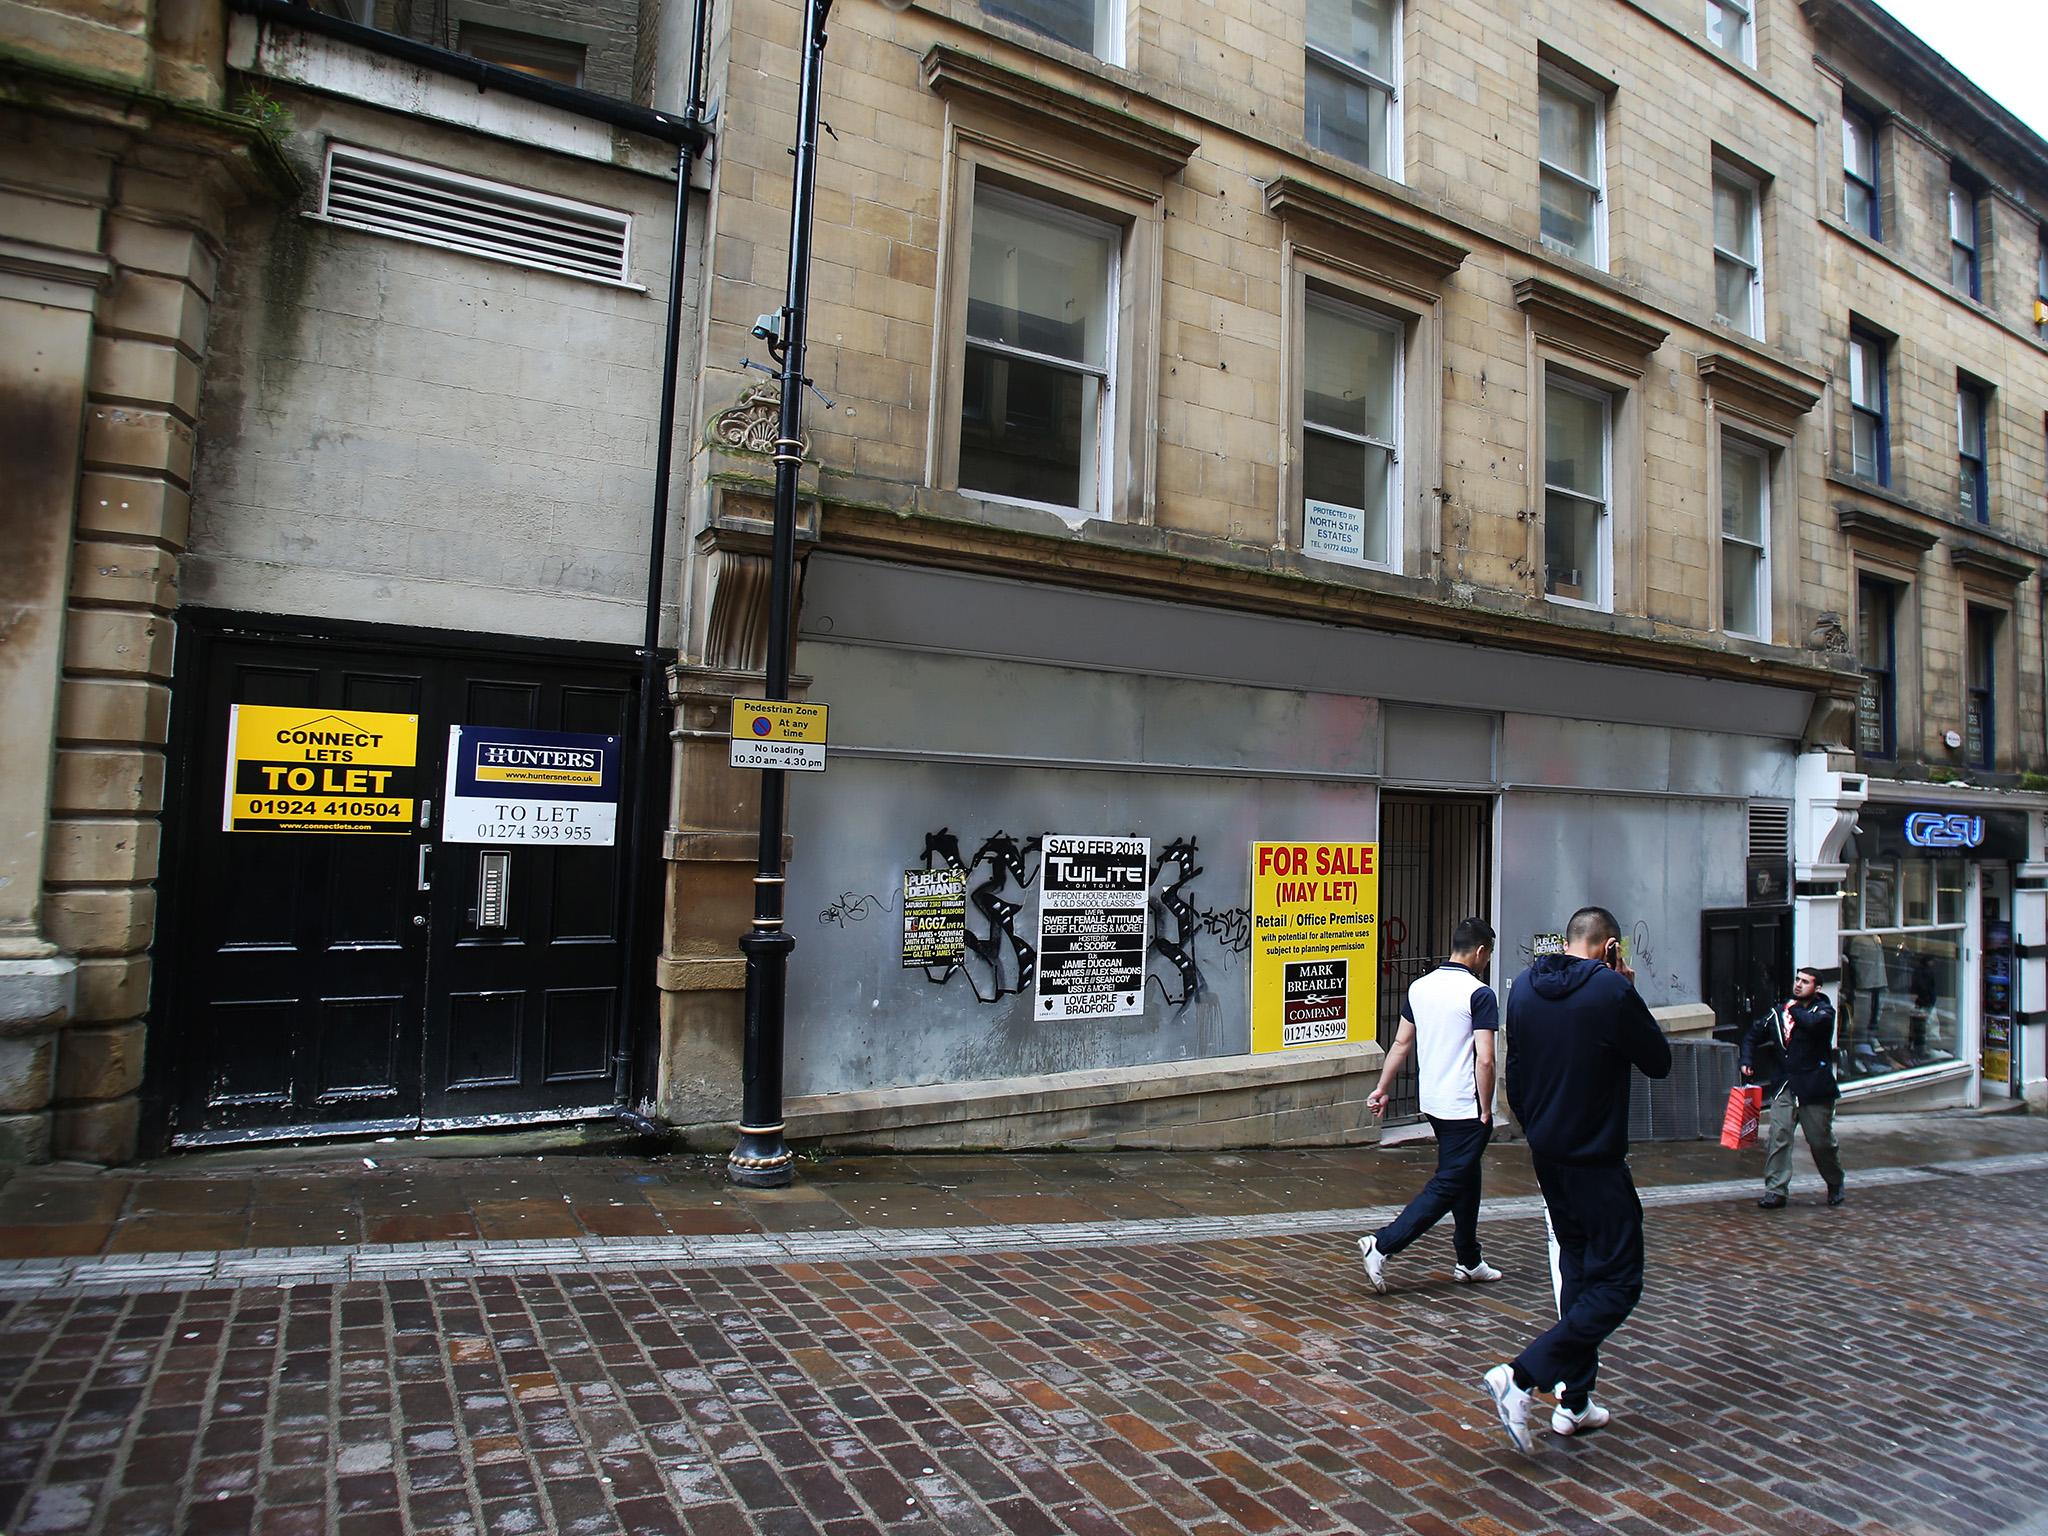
(776, 733)
(541, 788)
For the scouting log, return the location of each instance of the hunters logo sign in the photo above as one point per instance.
(319, 770)
(554, 788)
(1315, 943)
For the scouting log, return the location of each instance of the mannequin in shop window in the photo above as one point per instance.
(1926, 990)
(1867, 985)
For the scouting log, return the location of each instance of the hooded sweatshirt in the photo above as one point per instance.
(1574, 1029)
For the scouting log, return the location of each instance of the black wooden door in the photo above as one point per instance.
(334, 983)
(1746, 961)
(523, 1016)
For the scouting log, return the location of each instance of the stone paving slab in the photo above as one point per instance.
(1871, 1370)
(342, 1262)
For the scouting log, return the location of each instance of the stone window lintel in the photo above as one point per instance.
(1780, 395)
(1106, 130)
(1861, 521)
(1588, 325)
(1356, 223)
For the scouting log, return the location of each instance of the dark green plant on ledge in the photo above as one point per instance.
(273, 119)
(2033, 780)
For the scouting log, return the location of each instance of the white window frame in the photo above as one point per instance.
(1558, 380)
(1747, 52)
(1735, 443)
(1106, 401)
(1552, 79)
(1723, 171)
(1396, 526)
(2041, 283)
(1113, 23)
(1365, 77)
(1966, 196)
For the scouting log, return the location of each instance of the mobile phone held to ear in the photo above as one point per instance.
(1613, 955)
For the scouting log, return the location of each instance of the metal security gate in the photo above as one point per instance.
(1436, 869)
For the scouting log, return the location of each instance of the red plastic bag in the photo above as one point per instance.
(1738, 1125)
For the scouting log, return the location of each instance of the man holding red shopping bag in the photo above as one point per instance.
(1788, 1051)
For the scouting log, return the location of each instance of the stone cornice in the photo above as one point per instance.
(1782, 392)
(1855, 520)
(1294, 200)
(164, 128)
(1116, 131)
(1593, 324)
(1985, 561)
(1160, 563)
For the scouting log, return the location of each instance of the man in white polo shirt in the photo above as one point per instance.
(1449, 1021)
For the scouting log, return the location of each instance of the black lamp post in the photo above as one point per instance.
(761, 1158)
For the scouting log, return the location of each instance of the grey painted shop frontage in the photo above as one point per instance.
(973, 718)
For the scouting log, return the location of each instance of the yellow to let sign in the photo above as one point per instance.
(776, 733)
(1315, 944)
(320, 770)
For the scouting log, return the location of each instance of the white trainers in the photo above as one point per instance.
(1481, 1273)
(1512, 1403)
(1375, 1262)
(1564, 1422)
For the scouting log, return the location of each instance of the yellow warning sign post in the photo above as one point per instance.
(1315, 943)
(776, 733)
(320, 770)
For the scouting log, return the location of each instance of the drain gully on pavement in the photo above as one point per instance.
(128, 1273)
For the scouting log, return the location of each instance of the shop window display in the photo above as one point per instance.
(1902, 947)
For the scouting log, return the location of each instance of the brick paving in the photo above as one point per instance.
(1872, 1370)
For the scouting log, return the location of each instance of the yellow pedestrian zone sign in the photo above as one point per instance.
(1315, 944)
(320, 770)
(776, 733)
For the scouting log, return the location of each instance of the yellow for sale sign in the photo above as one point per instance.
(1315, 943)
(319, 770)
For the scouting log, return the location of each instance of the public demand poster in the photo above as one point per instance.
(319, 770)
(934, 917)
(1094, 926)
(538, 788)
(1315, 943)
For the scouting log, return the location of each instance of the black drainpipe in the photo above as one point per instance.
(665, 126)
(639, 1047)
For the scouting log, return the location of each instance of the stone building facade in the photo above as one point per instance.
(1426, 422)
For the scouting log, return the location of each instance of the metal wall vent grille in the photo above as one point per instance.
(377, 192)
(1770, 831)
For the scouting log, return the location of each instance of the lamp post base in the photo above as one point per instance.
(761, 1160)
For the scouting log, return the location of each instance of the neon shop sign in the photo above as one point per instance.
(1944, 829)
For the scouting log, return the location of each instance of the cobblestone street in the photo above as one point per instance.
(1872, 1369)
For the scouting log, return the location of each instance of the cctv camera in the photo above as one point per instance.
(768, 327)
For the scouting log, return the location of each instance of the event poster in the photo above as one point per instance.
(1094, 926)
(934, 917)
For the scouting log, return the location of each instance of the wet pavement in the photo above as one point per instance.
(425, 1191)
(1103, 1363)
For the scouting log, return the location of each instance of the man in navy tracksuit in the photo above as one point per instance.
(1575, 1028)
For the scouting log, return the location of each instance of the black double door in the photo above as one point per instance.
(1746, 964)
(334, 983)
